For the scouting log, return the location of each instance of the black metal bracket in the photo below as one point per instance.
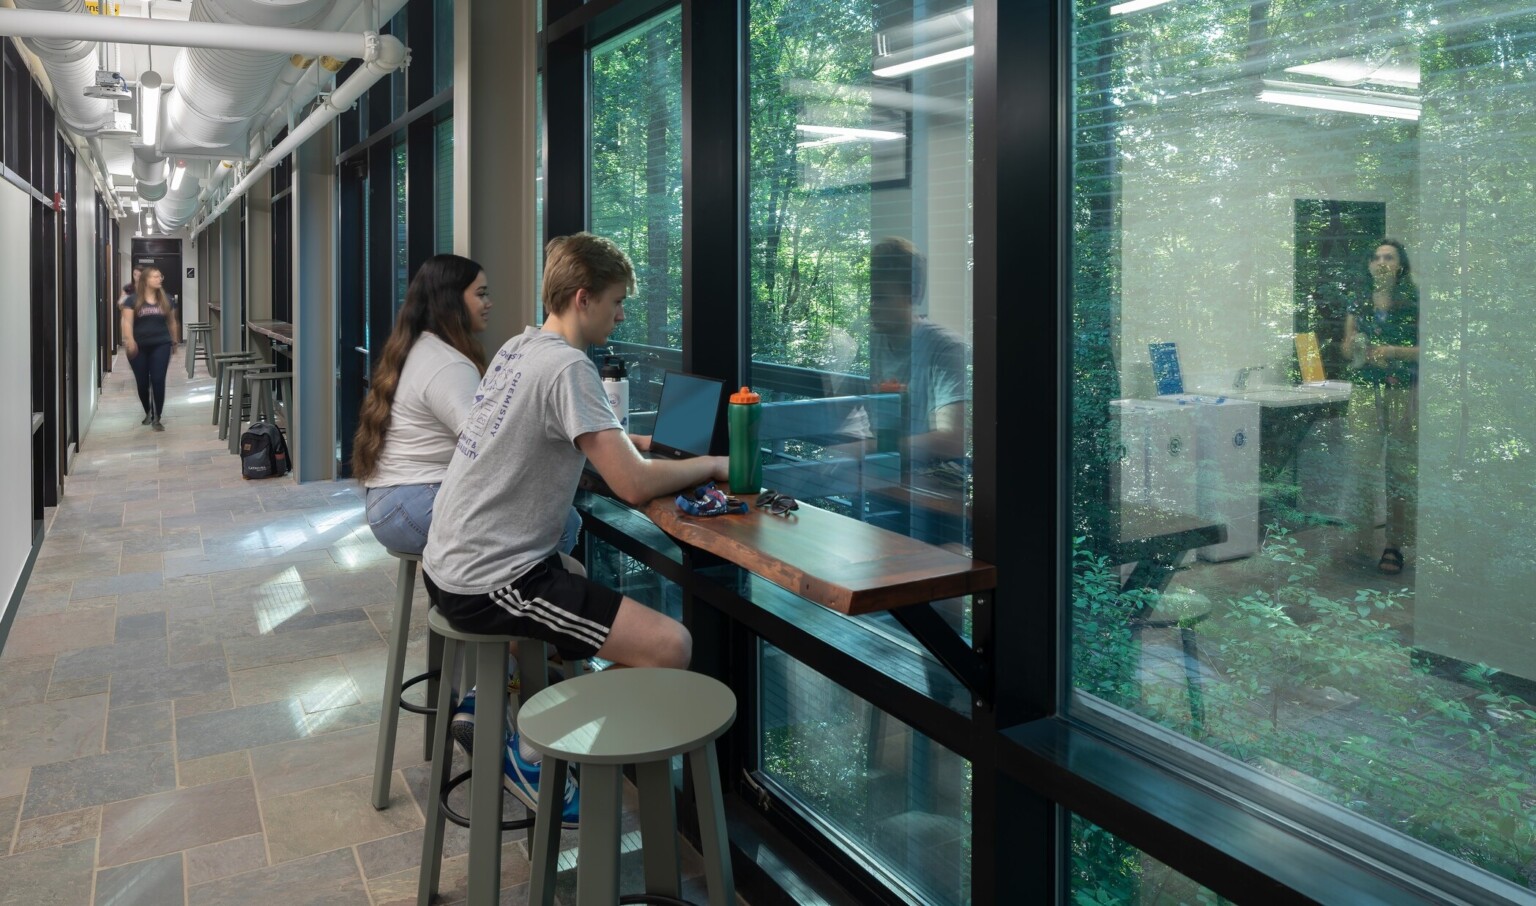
(946, 644)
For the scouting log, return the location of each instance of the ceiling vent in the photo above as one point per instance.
(120, 124)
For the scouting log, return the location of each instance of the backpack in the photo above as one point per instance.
(263, 454)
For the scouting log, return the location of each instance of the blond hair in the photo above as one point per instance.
(582, 261)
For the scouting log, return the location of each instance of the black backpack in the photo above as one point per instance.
(263, 454)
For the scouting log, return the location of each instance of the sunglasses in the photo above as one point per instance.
(776, 503)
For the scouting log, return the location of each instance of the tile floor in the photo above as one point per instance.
(190, 691)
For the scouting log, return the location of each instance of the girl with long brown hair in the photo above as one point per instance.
(421, 392)
(149, 332)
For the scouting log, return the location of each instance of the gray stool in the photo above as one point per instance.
(239, 400)
(264, 400)
(489, 653)
(607, 720)
(199, 334)
(395, 682)
(221, 363)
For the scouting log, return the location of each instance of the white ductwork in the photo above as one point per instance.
(218, 93)
(385, 55)
(71, 65)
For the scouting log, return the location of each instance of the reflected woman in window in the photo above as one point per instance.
(421, 392)
(1382, 337)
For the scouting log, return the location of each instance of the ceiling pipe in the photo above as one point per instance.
(22, 23)
(386, 54)
(71, 65)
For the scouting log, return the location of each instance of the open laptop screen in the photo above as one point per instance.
(687, 415)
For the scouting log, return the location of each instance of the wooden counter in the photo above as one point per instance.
(837, 561)
(281, 331)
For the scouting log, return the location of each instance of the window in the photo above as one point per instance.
(442, 176)
(1107, 871)
(859, 295)
(860, 258)
(636, 187)
(1301, 467)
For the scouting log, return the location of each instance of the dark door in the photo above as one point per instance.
(164, 254)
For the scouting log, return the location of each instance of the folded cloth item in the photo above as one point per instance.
(708, 500)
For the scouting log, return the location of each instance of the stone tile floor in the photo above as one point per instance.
(190, 691)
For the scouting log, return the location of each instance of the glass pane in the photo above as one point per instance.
(1301, 455)
(442, 45)
(402, 256)
(637, 187)
(901, 800)
(442, 177)
(860, 258)
(398, 101)
(538, 183)
(1107, 871)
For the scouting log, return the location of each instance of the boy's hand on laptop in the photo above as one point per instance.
(642, 442)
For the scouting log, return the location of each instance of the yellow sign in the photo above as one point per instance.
(1308, 356)
(94, 8)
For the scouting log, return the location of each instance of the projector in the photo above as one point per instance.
(109, 86)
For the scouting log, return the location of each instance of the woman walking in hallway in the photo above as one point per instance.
(149, 333)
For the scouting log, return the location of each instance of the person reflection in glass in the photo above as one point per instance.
(912, 355)
(1382, 338)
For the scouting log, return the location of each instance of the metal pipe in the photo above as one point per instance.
(22, 23)
(389, 56)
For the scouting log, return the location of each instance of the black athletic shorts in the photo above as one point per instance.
(546, 603)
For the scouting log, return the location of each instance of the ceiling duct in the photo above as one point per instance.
(71, 66)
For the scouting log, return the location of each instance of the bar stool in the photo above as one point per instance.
(395, 683)
(239, 400)
(264, 398)
(199, 335)
(489, 653)
(607, 720)
(221, 361)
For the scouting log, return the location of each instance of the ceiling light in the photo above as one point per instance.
(948, 56)
(149, 107)
(848, 133)
(1399, 111)
(177, 174)
(1134, 6)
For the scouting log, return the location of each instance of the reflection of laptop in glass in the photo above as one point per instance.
(688, 417)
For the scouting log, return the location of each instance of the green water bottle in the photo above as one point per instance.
(746, 471)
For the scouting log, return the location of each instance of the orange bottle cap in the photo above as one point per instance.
(745, 396)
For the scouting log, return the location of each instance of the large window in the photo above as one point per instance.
(1302, 460)
(860, 323)
(637, 188)
(860, 257)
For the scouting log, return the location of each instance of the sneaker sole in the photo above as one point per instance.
(463, 732)
(520, 787)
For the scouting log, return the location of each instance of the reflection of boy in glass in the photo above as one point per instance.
(1383, 341)
(912, 355)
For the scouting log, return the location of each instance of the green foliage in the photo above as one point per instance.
(1324, 692)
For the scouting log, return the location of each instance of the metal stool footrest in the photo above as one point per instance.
(654, 898)
(420, 678)
(463, 821)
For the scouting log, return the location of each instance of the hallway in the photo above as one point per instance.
(190, 692)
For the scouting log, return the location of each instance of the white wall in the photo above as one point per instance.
(15, 374)
(86, 317)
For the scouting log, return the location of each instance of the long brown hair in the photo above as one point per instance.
(434, 301)
(141, 297)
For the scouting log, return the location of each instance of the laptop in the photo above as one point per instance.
(690, 417)
(690, 421)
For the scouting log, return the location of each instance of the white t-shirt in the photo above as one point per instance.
(508, 491)
(436, 391)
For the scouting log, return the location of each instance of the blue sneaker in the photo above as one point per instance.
(462, 726)
(522, 779)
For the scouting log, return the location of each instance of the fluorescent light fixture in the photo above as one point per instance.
(149, 107)
(848, 133)
(1341, 105)
(1120, 9)
(1395, 70)
(135, 206)
(938, 59)
(177, 174)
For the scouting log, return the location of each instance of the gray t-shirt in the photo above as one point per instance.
(509, 487)
(930, 363)
(431, 403)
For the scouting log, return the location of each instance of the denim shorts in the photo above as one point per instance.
(401, 514)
